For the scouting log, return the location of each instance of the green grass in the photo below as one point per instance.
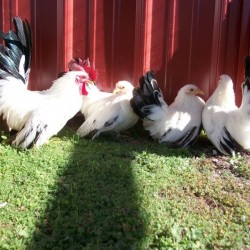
(130, 193)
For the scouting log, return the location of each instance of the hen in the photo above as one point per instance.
(111, 113)
(226, 125)
(177, 125)
(37, 115)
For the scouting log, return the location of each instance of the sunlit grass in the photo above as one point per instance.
(127, 193)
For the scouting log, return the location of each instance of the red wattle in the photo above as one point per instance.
(82, 88)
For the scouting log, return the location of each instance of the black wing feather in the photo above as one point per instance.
(228, 143)
(186, 140)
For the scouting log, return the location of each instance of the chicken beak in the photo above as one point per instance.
(116, 91)
(90, 82)
(199, 92)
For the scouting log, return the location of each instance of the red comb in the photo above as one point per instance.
(79, 65)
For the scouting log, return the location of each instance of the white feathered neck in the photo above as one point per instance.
(66, 84)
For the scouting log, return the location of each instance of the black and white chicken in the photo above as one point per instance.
(37, 115)
(177, 125)
(111, 113)
(226, 125)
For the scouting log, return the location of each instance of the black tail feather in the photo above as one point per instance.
(26, 40)
(247, 72)
(148, 93)
(247, 66)
(18, 43)
(138, 102)
(150, 88)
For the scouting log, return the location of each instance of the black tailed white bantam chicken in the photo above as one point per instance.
(177, 125)
(38, 115)
(110, 114)
(226, 125)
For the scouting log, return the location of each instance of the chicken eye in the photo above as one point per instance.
(80, 79)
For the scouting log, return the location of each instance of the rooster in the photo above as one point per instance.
(226, 125)
(37, 115)
(177, 125)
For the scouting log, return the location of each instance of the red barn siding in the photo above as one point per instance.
(182, 41)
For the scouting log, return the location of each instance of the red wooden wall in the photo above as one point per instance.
(183, 41)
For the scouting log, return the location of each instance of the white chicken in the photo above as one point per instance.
(177, 125)
(111, 113)
(226, 125)
(38, 115)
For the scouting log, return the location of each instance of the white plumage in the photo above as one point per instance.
(90, 100)
(226, 125)
(177, 125)
(110, 113)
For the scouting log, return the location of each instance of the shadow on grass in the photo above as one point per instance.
(96, 204)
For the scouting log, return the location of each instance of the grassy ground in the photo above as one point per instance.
(127, 193)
